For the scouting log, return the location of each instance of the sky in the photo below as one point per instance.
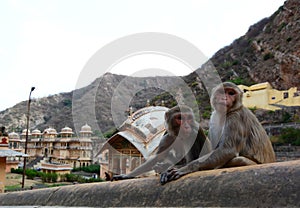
(47, 44)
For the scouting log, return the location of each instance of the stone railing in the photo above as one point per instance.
(267, 185)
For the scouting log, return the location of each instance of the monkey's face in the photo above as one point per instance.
(183, 123)
(224, 99)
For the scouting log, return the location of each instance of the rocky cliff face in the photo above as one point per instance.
(268, 52)
(53, 110)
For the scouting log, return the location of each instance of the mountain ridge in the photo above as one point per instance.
(268, 52)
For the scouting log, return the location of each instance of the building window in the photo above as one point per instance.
(285, 95)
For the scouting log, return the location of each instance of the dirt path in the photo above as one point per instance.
(13, 179)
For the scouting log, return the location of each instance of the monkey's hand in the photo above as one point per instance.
(170, 175)
(121, 177)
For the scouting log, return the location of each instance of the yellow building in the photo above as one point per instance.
(59, 169)
(264, 96)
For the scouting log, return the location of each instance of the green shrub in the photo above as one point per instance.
(108, 133)
(288, 39)
(71, 177)
(30, 173)
(90, 169)
(44, 177)
(194, 84)
(253, 109)
(49, 177)
(238, 81)
(92, 180)
(282, 25)
(235, 62)
(18, 170)
(276, 140)
(206, 114)
(268, 56)
(39, 173)
(226, 64)
(290, 135)
(286, 117)
(67, 102)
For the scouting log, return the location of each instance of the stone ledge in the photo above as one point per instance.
(267, 185)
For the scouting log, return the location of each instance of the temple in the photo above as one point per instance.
(50, 151)
(137, 139)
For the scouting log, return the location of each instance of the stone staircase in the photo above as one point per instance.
(39, 163)
(32, 163)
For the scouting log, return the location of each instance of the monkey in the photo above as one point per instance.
(184, 141)
(237, 137)
(107, 176)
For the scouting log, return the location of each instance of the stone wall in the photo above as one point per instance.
(268, 185)
(287, 153)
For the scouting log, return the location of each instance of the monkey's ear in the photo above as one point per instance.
(167, 116)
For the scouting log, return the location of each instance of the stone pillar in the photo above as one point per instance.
(2, 173)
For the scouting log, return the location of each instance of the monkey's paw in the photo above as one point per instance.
(170, 175)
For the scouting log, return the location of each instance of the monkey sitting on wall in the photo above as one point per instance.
(185, 141)
(236, 135)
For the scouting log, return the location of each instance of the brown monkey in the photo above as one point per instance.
(236, 135)
(185, 141)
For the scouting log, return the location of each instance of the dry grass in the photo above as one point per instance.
(13, 182)
(13, 179)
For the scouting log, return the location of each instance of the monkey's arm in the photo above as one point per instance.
(207, 148)
(228, 148)
(145, 167)
(217, 158)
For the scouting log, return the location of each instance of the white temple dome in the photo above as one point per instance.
(36, 132)
(86, 129)
(24, 132)
(66, 130)
(49, 131)
(14, 135)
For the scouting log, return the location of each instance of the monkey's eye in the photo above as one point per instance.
(178, 117)
(231, 92)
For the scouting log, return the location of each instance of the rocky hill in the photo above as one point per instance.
(269, 51)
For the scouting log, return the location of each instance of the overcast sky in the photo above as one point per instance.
(46, 44)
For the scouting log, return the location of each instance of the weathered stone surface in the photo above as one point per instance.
(268, 185)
